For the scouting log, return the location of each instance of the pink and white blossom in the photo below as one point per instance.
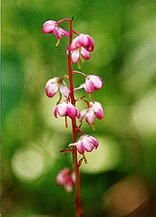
(81, 47)
(94, 109)
(52, 27)
(56, 84)
(85, 143)
(66, 177)
(92, 83)
(66, 109)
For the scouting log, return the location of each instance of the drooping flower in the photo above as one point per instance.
(67, 178)
(66, 109)
(85, 143)
(52, 27)
(56, 84)
(92, 110)
(92, 83)
(81, 47)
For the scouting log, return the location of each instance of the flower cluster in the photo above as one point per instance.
(79, 48)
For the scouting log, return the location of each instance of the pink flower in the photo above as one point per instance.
(66, 177)
(81, 47)
(85, 142)
(56, 84)
(66, 109)
(90, 112)
(52, 27)
(92, 83)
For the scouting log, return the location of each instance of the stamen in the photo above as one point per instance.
(85, 159)
(79, 66)
(58, 42)
(82, 60)
(60, 97)
(93, 128)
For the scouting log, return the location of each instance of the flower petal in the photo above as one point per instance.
(55, 111)
(78, 114)
(48, 26)
(61, 177)
(64, 32)
(74, 45)
(80, 147)
(73, 144)
(83, 40)
(83, 112)
(64, 90)
(89, 86)
(98, 110)
(51, 81)
(75, 56)
(52, 89)
(86, 41)
(69, 185)
(85, 54)
(71, 110)
(87, 143)
(95, 142)
(98, 83)
(57, 33)
(62, 109)
(90, 48)
(90, 116)
(77, 88)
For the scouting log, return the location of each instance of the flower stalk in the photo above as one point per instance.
(76, 165)
(79, 48)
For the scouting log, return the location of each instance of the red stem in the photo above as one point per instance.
(76, 165)
(66, 19)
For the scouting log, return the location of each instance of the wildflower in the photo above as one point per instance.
(66, 177)
(92, 83)
(66, 109)
(56, 84)
(81, 47)
(85, 142)
(92, 110)
(52, 27)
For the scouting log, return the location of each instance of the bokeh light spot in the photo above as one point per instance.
(27, 164)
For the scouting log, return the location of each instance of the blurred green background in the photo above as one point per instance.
(120, 175)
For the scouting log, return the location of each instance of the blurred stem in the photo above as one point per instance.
(76, 165)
